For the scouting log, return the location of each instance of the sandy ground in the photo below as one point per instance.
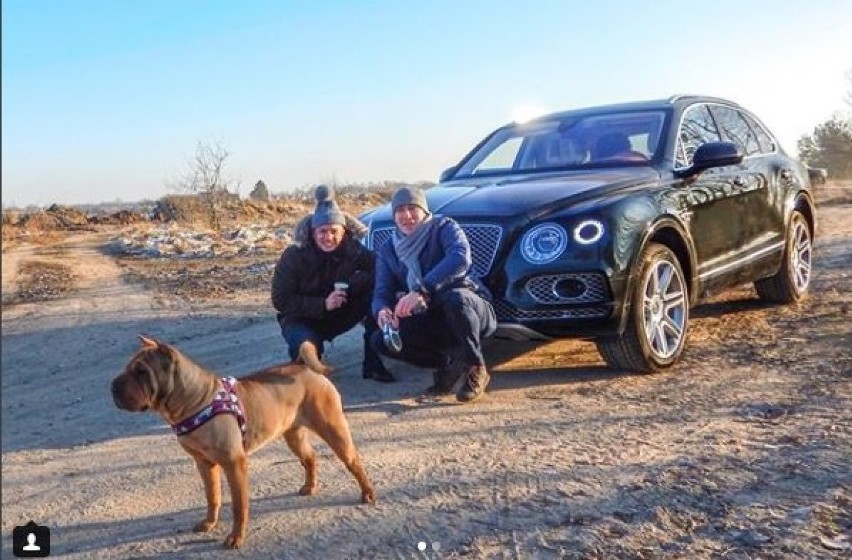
(741, 451)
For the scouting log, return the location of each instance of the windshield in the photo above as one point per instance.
(608, 139)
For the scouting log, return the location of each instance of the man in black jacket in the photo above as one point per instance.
(323, 284)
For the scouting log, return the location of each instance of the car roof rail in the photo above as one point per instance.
(681, 96)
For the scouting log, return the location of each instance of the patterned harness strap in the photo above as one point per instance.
(224, 402)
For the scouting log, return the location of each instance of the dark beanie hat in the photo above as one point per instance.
(409, 195)
(327, 211)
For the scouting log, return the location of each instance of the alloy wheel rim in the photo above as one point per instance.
(664, 309)
(800, 255)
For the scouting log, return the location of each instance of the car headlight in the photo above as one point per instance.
(588, 232)
(544, 243)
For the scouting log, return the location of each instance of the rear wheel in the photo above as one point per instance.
(658, 320)
(790, 283)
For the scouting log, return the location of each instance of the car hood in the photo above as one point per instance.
(530, 195)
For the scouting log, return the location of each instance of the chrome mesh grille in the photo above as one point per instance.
(484, 241)
(541, 288)
(379, 236)
(509, 314)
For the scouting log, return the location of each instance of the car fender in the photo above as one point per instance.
(803, 200)
(683, 247)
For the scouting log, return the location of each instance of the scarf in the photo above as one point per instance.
(408, 249)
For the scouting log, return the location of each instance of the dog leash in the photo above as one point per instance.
(224, 402)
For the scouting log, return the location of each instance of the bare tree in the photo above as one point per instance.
(206, 178)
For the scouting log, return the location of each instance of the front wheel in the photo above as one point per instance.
(790, 283)
(659, 316)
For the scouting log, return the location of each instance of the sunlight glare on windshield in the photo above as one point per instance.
(525, 113)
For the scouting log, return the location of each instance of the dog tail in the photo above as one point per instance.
(309, 356)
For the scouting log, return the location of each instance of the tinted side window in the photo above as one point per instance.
(735, 129)
(767, 144)
(696, 128)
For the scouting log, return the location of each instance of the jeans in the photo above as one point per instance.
(297, 330)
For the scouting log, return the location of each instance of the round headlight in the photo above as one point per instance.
(588, 232)
(543, 243)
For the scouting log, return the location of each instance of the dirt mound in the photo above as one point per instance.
(40, 221)
(120, 218)
(56, 217)
(68, 216)
(282, 210)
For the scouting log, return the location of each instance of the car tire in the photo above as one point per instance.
(658, 318)
(790, 283)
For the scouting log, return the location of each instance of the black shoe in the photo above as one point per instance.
(443, 380)
(373, 368)
(381, 375)
(475, 384)
(436, 390)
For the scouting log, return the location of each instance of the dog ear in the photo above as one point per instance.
(148, 342)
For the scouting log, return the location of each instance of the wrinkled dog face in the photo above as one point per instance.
(132, 390)
(136, 387)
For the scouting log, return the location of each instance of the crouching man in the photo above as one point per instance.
(432, 310)
(323, 283)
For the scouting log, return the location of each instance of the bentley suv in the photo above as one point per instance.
(611, 222)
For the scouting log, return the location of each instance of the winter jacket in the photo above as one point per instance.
(445, 262)
(305, 275)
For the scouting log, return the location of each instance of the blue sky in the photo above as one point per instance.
(106, 100)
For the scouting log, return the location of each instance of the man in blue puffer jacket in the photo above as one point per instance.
(426, 291)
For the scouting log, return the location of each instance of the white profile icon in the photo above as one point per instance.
(31, 539)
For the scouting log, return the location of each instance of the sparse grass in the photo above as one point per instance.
(201, 279)
(41, 281)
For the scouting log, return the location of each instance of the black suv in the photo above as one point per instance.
(611, 222)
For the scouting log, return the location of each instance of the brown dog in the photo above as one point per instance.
(286, 400)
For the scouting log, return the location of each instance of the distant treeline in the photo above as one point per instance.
(146, 206)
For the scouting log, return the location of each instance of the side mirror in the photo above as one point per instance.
(447, 173)
(713, 154)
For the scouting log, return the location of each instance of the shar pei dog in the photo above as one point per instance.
(220, 422)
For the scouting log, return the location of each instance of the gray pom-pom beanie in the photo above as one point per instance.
(327, 211)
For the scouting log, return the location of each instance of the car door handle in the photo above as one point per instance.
(739, 181)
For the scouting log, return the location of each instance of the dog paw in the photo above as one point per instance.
(368, 497)
(204, 526)
(234, 540)
(307, 490)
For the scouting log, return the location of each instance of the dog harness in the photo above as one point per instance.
(224, 402)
